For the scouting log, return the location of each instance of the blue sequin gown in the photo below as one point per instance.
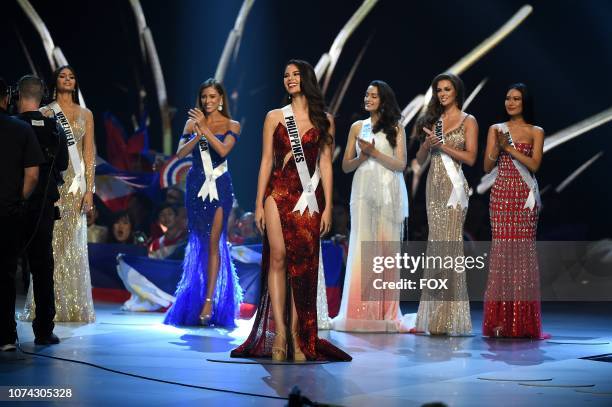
(191, 290)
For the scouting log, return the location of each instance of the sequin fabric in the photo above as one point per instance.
(512, 298)
(72, 281)
(378, 196)
(191, 290)
(445, 312)
(301, 237)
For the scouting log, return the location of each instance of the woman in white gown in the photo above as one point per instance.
(376, 151)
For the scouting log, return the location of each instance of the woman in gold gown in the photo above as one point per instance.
(446, 312)
(73, 299)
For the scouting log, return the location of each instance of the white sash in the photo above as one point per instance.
(308, 198)
(209, 188)
(528, 178)
(458, 195)
(78, 182)
(366, 130)
(367, 135)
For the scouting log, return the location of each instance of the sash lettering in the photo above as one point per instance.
(78, 181)
(308, 198)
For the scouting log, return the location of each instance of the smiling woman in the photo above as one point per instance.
(293, 211)
(446, 312)
(376, 151)
(208, 293)
(72, 281)
(514, 148)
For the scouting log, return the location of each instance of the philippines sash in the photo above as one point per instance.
(209, 188)
(458, 195)
(308, 198)
(78, 181)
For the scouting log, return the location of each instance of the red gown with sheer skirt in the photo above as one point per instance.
(301, 237)
(512, 298)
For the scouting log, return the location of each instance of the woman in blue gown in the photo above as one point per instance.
(208, 293)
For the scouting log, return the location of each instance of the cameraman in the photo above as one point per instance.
(41, 212)
(18, 178)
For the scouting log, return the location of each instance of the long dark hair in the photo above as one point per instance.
(527, 113)
(316, 103)
(389, 113)
(212, 82)
(56, 74)
(434, 108)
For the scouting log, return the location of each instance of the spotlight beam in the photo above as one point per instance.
(487, 45)
(26, 52)
(577, 172)
(149, 53)
(474, 93)
(328, 60)
(54, 54)
(577, 129)
(233, 40)
(473, 56)
(339, 96)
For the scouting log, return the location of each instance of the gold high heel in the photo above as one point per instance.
(298, 355)
(279, 353)
(205, 318)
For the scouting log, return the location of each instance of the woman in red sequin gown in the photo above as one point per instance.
(512, 298)
(286, 322)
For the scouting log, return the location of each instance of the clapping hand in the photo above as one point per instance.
(431, 140)
(367, 148)
(199, 119)
(502, 139)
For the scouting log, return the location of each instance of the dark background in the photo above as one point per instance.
(562, 51)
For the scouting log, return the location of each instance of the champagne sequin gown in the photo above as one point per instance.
(301, 236)
(379, 206)
(73, 298)
(512, 298)
(445, 312)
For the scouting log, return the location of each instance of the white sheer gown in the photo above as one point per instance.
(323, 320)
(379, 207)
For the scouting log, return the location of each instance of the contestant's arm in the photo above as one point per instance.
(424, 148)
(267, 156)
(533, 162)
(325, 166)
(492, 149)
(89, 152)
(187, 145)
(467, 156)
(397, 162)
(350, 160)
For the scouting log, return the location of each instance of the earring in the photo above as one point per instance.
(54, 94)
(220, 107)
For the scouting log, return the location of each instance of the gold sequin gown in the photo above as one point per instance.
(445, 311)
(73, 298)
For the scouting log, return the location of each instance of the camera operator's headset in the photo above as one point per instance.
(46, 191)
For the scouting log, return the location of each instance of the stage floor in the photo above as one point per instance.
(387, 369)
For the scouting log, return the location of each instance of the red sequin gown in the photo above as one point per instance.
(301, 237)
(512, 298)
